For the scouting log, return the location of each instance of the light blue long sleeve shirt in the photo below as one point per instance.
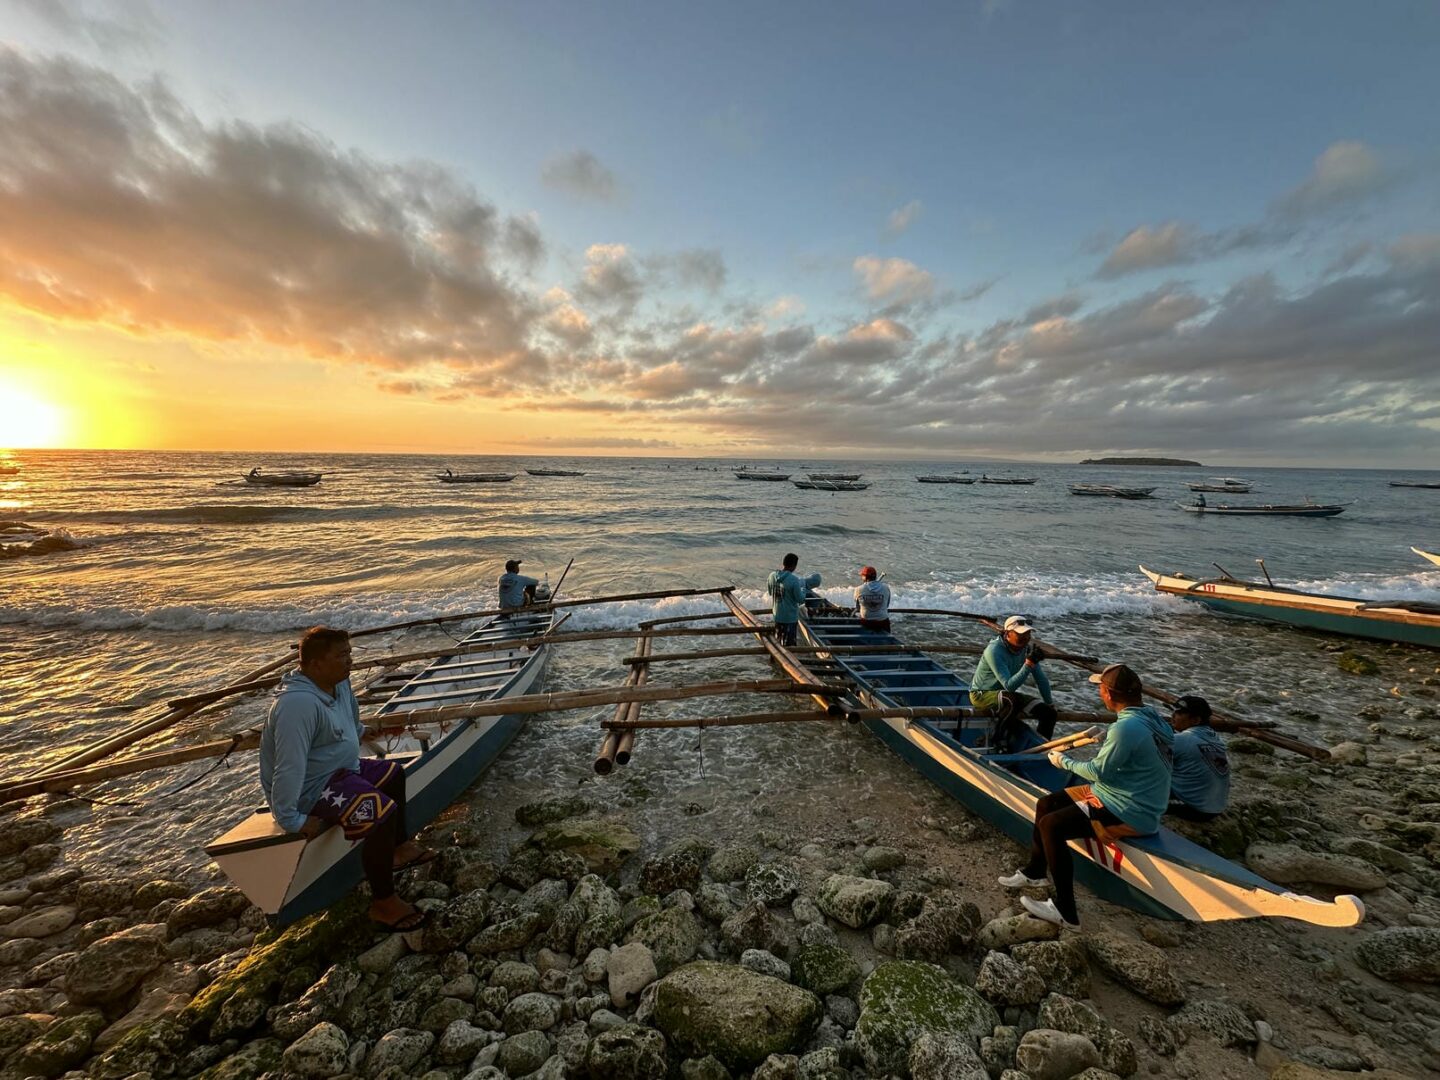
(786, 590)
(1003, 668)
(1202, 770)
(1131, 773)
(308, 735)
(512, 589)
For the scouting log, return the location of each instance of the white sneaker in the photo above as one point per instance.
(1046, 909)
(1018, 880)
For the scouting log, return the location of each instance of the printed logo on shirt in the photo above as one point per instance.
(1167, 755)
(1216, 758)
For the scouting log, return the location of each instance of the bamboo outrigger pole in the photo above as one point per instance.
(526, 704)
(782, 656)
(630, 713)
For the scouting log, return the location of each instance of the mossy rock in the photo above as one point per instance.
(1356, 664)
(672, 935)
(552, 809)
(65, 1044)
(604, 845)
(143, 1050)
(905, 999)
(823, 969)
(738, 1015)
(250, 1062)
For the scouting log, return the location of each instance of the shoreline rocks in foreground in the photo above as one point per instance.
(579, 955)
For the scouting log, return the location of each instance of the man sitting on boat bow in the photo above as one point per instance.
(1128, 790)
(314, 776)
(1004, 667)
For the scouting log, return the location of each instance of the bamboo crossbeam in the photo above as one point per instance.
(919, 712)
(435, 620)
(804, 650)
(696, 618)
(782, 656)
(526, 704)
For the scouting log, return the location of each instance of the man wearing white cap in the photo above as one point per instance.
(1004, 667)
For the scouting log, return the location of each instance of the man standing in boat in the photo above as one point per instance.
(1200, 787)
(786, 590)
(1128, 790)
(872, 601)
(516, 590)
(1005, 666)
(314, 777)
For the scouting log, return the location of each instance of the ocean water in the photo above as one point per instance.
(174, 578)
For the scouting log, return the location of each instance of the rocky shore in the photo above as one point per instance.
(849, 946)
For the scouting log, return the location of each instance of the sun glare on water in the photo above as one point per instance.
(27, 421)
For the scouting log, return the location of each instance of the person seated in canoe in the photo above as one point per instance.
(1200, 787)
(1004, 666)
(786, 590)
(314, 777)
(516, 590)
(1200, 500)
(1128, 790)
(255, 471)
(872, 601)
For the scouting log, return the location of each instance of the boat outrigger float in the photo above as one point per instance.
(1411, 622)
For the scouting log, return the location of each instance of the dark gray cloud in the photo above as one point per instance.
(581, 174)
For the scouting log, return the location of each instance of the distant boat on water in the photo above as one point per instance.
(984, 479)
(1415, 483)
(830, 485)
(282, 479)
(833, 476)
(760, 474)
(1111, 491)
(448, 477)
(945, 479)
(1231, 485)
(554, 472)
(1427, 555)
(1317, 510)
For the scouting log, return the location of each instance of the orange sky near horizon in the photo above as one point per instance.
(103, 388)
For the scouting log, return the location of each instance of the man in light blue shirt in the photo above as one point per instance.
(1200, 788)
(314, 777)
(516, 590)
(1007, 663)
(786, 590)
(1128, 790)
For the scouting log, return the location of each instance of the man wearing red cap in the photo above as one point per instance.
(872, 601)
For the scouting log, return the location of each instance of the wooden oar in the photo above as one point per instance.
(785, 659)
(1088, 734)
(556, 591)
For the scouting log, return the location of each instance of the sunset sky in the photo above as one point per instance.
(1034, 230)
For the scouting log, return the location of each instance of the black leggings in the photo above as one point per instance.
(1057, 820)
(377, 851)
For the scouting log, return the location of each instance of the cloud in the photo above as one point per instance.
(602, 442)
(611, 277)
(894, 281)
(1346, 173)
(1146, 247)
(874, 342)
(581, 174)
(134, 27)
(702, 268)
(903, 217)
(120, 206)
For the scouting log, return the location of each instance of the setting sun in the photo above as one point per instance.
(27, 421)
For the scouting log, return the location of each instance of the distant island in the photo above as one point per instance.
(1139, 461)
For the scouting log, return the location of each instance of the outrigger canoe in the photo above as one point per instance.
(475, 478)
(1164, 875)
(1427, 555)
(759, 474)
(288, 877)
(1412, 622)
(946, 479)
(1316, 510)
(1111, 491)
(830, 485)
(282, 479)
